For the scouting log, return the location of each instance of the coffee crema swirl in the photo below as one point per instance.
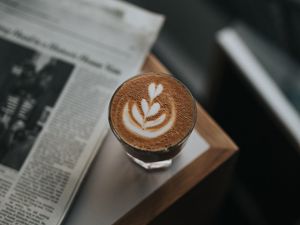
(152, 112)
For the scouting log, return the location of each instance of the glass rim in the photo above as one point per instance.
(181, 141)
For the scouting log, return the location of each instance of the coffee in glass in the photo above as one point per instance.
(152, 115)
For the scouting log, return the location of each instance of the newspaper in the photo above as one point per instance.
(59, 64)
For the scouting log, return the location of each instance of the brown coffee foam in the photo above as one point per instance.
(135, 90)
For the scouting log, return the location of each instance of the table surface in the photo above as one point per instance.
(117, 191)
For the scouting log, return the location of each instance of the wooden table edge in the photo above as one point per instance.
(221, 149)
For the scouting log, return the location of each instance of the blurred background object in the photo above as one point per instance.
(186, 44)
(265, 124)
(265, 188)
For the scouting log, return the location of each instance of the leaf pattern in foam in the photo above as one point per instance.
(145, 106)
(151, 91)
(137, 115)
(148, 109)
(158, 90)
(155, 122)
(154, 109)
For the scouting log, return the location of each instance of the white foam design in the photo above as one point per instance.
(155, 122)
(154, 91)
(129, 123)
(139, 122)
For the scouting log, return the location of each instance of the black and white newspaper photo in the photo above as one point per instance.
(59, 65)
(30, 83)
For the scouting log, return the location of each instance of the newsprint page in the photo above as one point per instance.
(59, 64)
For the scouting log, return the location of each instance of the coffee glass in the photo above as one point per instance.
(152, 115)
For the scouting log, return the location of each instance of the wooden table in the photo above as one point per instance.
(116, 191)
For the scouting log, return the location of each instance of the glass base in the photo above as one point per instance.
(151, 165)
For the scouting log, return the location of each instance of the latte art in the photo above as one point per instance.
(138, 122)
(152, 112)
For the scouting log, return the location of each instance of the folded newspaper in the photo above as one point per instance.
(60, 61)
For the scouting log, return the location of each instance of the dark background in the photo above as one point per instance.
(187, 41)
(266, 184)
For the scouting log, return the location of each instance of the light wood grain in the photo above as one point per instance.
(221, 149)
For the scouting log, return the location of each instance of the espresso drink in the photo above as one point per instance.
(152, 114)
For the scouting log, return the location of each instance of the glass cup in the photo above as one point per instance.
(161, 158)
